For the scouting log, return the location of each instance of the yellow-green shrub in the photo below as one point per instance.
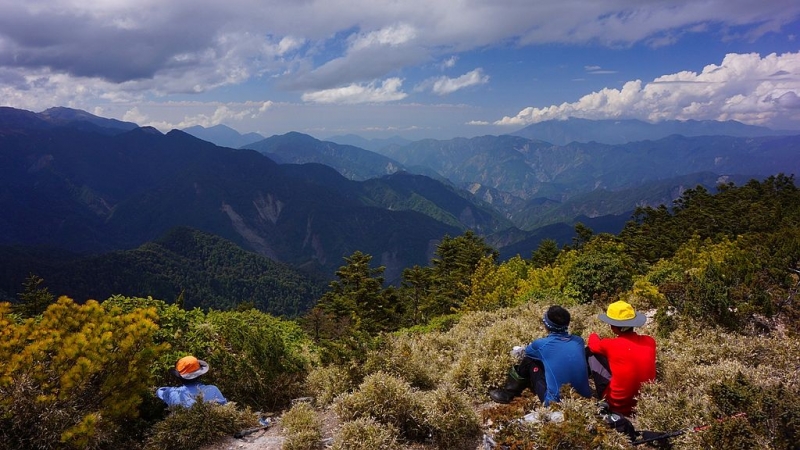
(302, 427)
(324, 383)
(450, 418)
(203, 423)
(365, 433)
(388, 400)
(75, 377)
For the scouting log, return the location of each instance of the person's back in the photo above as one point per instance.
(188, 394)
(564, 360)
(549, 363)
(188, 370)
(630, 358)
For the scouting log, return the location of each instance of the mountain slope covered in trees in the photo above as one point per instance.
(409, 367)
(187, 266)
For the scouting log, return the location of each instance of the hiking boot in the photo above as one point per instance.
(512, 388)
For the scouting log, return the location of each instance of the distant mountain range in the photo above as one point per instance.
(374, 145)
(223, 136)
(563, 132)
(81, 193)
(352, 162)
(516, 174)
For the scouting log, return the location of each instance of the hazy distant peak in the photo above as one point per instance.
(621, 131)
(223, 135)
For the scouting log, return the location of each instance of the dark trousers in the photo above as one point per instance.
(599, 371)
(533, 370)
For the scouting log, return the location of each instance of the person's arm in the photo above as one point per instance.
(533, 350)
(162, 393)
(595, 344)
(212, 394)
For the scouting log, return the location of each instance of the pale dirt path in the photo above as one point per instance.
(273, 437)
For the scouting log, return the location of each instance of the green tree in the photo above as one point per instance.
(415, 293)
(583, 234)
(599, 275)
(358, 293)
(456, 260)
(34, 298)
(545, 254)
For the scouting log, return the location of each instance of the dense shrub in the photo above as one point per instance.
(302, 428)
(450, 418)
(365, 433)
(404, 361)
(203, 423)
(175, 325)
(74, 377)
(580, 428)
(599, 275)
(324, 383)
(707, 374)
(256, 359)
(388, 400)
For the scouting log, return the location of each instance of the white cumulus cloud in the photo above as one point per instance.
(389, 36)
(387, 91)
(744, 87)
(445, 85)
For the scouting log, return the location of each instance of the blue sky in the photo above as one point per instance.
(414, 68)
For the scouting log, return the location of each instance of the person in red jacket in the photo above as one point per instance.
(621, 364)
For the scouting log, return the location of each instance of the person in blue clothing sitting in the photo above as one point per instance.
(188, 370)
(549, 363)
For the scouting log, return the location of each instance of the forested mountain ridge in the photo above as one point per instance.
(76, 185)
(93, 192)
(409, 366)
(197, 269)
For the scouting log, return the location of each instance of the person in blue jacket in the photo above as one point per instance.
(549, 363)
(188, 370)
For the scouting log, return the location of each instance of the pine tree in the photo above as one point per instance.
(34, 298)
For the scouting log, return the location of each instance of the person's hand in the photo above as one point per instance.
(518, 352)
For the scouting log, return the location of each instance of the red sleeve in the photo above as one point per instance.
(595, 343)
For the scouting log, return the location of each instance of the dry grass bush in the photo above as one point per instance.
(444, 415)
(698, 368)
(366, 433)
(325, 383)
(706, 374)
(406, 359)
(450, 418)
(473, 355)
(202, 424)
(302, 427)
(581, 428)
(388, 400)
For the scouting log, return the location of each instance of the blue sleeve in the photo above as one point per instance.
(212, 394)
(170, 395)
(534, 349)
(162, 393)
